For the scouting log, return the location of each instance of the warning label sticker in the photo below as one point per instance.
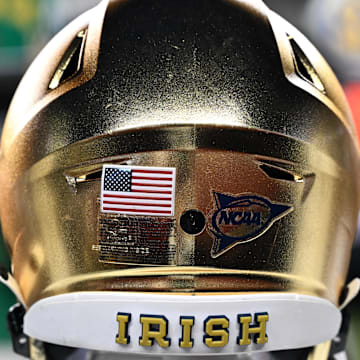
(136, 240)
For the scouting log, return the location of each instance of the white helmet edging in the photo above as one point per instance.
(181, 324)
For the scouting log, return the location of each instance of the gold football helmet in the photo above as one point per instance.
(180, 177)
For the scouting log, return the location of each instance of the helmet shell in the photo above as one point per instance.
(226, 92)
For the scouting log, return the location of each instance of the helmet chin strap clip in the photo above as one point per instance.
(338, 345)
(15, 316)
(15, 319)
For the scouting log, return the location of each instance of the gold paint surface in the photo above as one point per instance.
(60, 227)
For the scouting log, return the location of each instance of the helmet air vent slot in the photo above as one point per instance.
(89, 177)
(74, 180)
(278, 173)
(303, 66)
(71, 63)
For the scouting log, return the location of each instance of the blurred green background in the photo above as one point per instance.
(6, 297)
(26, 26)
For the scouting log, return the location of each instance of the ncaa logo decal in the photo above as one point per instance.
(242, 218)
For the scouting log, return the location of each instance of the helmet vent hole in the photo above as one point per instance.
(275, 172)
(74, 180)
(89, 177)
(71, 63)
(303, 66)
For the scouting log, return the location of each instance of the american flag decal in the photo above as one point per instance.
(138, 190)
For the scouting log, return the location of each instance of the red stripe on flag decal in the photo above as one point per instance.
(150, 178)
(139, 211)
(137, 197)
(135, 204)
(152, 171)
(152, 191)
(151, 185)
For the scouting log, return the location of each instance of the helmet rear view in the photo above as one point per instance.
(180, 177)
